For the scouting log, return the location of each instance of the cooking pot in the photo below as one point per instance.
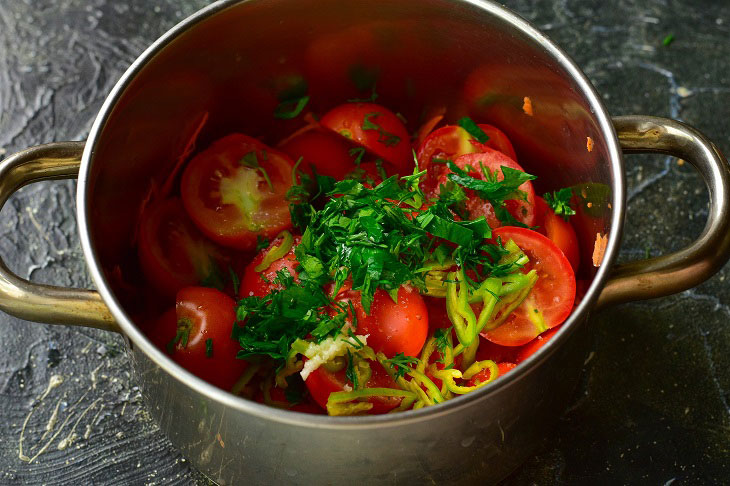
(223, 69)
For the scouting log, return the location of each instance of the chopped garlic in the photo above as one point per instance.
(327, 350)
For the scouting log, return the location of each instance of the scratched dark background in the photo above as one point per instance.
(653, 407)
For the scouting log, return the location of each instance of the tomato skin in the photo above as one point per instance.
(253, 283)
(493, 160)
(211, 315)
(322, 150)
(393, 328)
(172, 252)
(232, 203)
(531, 348)
(553, 294)
(559, 231)
(394, 146)
(321, 383)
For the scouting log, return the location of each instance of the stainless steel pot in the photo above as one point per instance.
(229, 61)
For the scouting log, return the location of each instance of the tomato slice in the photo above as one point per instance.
(172, 252)
(392, 327)
(521, 210)
(559, 231)
(206, 316)
(551, 299)
(452, 141)
(531, 348)
(484, 375)
(235, 190)
(374, 127)
(261, 283)
(322, 150)
(321, 383)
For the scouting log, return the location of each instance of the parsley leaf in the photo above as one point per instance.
(350, 372)
(235, 281)
(473, 129)
(288, 109)
(559, 201)
(209, 348)
(261, 243)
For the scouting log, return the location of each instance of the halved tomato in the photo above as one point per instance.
(172, 252)
(521, 209)
(235, 190)
(559, 231)
(261, 282)
(374, 127)
(549, 302)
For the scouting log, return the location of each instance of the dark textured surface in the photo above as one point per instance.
(654, 406)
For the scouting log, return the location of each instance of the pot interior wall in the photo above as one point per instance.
(228, 72)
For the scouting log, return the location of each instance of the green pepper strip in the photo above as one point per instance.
(479, 366)
(337, 399)
(448, 376)
(276, 252)
(458, 308)
(510, 302)
(245, 378)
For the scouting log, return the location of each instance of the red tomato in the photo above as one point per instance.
(531, 348)
(552, 296)
(229, 199)
(261, 283)
(484, 375)
(438, 318)
(493, 160)
(279, 395)
(202, 314)
(559, 231)
(321, 383)
(452, 141)
(393, 328)
(374, 127)
(322, 150)
(172, 252)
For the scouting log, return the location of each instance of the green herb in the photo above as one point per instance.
(261, 243)
(251, 161)
(182, 335)
(385, 137)
(473, 129)
(559, 201)
(401, 364)
(286, 110)
(668, 40)
(493, 190)
(350, 372)
(209, 348)
(357, 154)
(442, 338)
(234, 280)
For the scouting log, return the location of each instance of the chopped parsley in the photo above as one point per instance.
(401, 364)
(473, 129)
(667, 41)
(209, 348)
(350, 372)
(261, 243)
(559, 201)
(235, 281)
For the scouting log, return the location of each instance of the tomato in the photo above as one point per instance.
(452, 141)
(172, 252)
(203, 314)
(322, 150)
(374, 127)
(392, 327)
(484, 375)
(438, 318)
(522, 210)
(229, 199)
(262, 283)
(321, 383)
(531, 348)
(559, 231)
(552, 296)
(279, 395)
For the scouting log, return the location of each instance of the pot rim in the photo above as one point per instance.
(241, 404)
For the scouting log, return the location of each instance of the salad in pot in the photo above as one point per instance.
(354, 268)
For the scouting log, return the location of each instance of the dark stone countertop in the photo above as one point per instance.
(654, 405)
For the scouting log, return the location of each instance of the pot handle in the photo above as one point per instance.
(38, 302)
(690, 266)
